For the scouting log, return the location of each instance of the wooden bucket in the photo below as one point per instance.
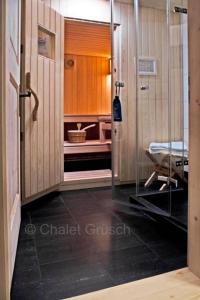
(76, 136)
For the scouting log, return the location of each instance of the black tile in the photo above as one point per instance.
(176, 262)
(25, 220)
(30, 291)
(24, 276)
(54, 228)
(50, 208)
(85, 241)
(139, 270)
(72, 270)
(27, 268)
(67, 249)
(64, 289)
(101, 194)
(70, 196)
(26, 255)
(129, 256)
(129, 263)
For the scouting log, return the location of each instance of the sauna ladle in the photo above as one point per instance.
(87, 127)
(79, 126)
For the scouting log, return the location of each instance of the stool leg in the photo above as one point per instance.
(150, 179)
(163, 187)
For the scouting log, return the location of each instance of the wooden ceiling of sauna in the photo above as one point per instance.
(89, 39)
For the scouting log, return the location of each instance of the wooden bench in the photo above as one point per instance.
(93, 146)
(90, 146)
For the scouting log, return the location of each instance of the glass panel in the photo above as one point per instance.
(161, 132)
(153, 103)
(162, 106)
(179, 107)
(46, 43)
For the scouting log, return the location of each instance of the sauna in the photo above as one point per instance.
(87, 99)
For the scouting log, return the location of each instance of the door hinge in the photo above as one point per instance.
(22, 49)
(21, 136)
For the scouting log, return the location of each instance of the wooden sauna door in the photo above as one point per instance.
(42, 126)
(12, 144)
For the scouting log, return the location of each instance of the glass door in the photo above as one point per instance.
(161, 38)
(153, 100)
(179, 100)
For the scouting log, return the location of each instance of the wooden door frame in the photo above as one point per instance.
(4, 232)
(194, 138)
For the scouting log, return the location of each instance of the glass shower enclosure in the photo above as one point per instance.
(162, 107)
(161, 133)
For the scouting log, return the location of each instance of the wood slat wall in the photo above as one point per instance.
(43, 143)
(87, 84)
(155, 121)
(83, 38)
(160, 108)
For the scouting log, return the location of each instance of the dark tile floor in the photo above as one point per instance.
(78, 242)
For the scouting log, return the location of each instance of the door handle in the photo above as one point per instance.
(144, 87)
(26, 94)
(28, 85)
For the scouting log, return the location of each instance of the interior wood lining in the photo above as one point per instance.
(87, 69)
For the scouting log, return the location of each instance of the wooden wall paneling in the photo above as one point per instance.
(46, 121)
(41, 8)
(34, 74)
(124, 163)
(26, 184)
(52, 122)
(152, 79)
(104, 85)
(155, 121)
(102, 100)
(77, 35)
(41, 131)
(88, 44)
(47, 16)
(69, 76)
(57, 96)
(83, 87)
(131, 96)
(194, 138)
(87, 86)
(62, 24)
(158, 83)
(99, 84)
(53, 20)
(116, 128)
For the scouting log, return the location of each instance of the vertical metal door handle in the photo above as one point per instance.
(28, 85)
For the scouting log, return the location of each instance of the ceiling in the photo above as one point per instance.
(84, 38)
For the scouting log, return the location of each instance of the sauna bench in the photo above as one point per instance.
(86, 118)
(90, 146)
